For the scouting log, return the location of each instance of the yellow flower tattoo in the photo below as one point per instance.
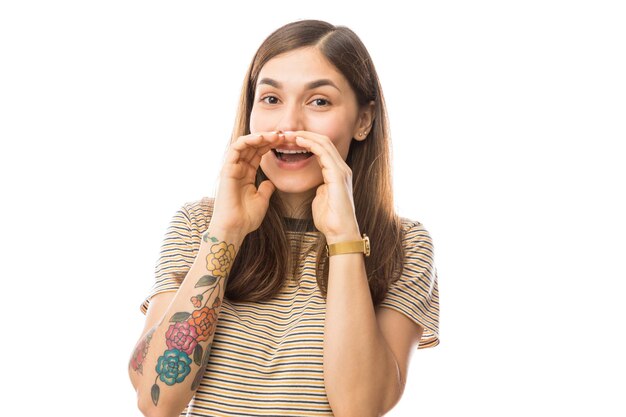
(219, 260)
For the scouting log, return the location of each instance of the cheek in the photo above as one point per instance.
(260, 121)
(338, 132)
(253, 121)
(344, 147)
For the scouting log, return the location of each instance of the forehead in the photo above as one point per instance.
(301, 66)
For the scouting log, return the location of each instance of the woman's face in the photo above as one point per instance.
(301, 90)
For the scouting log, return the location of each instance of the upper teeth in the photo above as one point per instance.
(290, 151)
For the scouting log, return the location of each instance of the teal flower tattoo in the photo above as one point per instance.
(173, 366)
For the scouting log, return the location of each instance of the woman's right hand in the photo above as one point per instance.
(239, 207)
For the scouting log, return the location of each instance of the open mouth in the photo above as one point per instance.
(291, 156)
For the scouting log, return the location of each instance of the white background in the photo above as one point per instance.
(507, 120)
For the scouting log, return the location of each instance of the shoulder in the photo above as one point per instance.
(414, 232)
(417, 244)
(198, 212)
(200, 207)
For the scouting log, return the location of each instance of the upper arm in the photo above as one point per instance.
(402, 336)
(415, 294)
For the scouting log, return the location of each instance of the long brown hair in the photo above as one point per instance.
(265, 256)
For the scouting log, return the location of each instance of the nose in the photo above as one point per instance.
(291, 118)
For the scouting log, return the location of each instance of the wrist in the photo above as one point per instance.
(344, 237)
(216, 234)
(361, 245)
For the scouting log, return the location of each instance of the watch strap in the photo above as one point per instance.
(355, 246)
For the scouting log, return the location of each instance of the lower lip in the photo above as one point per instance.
(292, 165)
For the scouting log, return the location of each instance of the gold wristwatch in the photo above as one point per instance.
(355, 246)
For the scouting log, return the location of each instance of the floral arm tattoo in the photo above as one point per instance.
(189, 328)
(141, 350)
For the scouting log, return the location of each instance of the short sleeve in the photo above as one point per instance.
(416, 293)
(178, 251)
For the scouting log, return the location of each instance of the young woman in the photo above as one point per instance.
(297, 290)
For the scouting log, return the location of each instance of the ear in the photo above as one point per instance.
(364, 121)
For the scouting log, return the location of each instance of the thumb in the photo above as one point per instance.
(266, 189)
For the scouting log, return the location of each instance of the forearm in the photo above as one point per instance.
(176, 350)
(360, 371)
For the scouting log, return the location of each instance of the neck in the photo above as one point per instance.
(297, 205)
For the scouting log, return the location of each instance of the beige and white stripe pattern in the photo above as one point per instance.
(267, 357)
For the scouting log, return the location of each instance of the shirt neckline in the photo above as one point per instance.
(299, 225)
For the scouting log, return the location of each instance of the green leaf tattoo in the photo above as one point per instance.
(181, 316)
(206, 238)
(155, 391)
(206, 281)
(197, 355)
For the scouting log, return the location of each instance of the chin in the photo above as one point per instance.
(295, 185)
(295, 182)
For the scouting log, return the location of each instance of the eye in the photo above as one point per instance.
(321, 102)
(270, 99)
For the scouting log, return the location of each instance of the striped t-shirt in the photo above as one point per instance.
(267, 357)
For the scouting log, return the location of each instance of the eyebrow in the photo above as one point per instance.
(309, 86)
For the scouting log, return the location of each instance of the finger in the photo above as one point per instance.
(232, 156)
(325, 143)
(254, 155)
(331, 170)
(322, 148)
(248, 142)
(255, 140)
(241, 169)
(266, 189)
(273, 140)
(246, 146)
(235, 153)
(255, 162)
(247, 154)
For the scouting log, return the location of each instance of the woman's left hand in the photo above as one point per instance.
(333, 205)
